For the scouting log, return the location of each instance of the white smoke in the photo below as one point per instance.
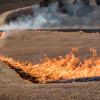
(50, 17)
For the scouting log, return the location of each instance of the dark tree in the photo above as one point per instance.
(98, 2)
(86, 2)
(63, 5)
(45, 3)
(60, 3)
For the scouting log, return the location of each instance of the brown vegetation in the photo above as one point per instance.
(31, 46)
(69, 67)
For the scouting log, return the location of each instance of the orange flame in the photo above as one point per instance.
(61, 68)
(1, 34)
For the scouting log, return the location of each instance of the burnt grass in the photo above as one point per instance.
(22, 74)
(32, 79)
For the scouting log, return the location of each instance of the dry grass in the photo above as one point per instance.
(32, 45)
(14, 88)
(62, 68)
(15, 4)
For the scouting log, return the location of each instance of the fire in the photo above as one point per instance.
(61, 68)
(1, 34)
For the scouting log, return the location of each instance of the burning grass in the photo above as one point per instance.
(61, 68)
(1, 33)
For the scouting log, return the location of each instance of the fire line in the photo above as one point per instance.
(69, 67)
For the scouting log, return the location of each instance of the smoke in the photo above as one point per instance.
(79, 16)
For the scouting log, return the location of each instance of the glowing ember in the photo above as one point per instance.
(61, 68)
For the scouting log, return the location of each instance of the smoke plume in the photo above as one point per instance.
(51, 17)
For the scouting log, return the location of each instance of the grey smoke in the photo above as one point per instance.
(51, 17)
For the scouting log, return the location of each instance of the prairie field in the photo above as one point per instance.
(31, 46)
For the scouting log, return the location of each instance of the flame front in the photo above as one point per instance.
(61, 68)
